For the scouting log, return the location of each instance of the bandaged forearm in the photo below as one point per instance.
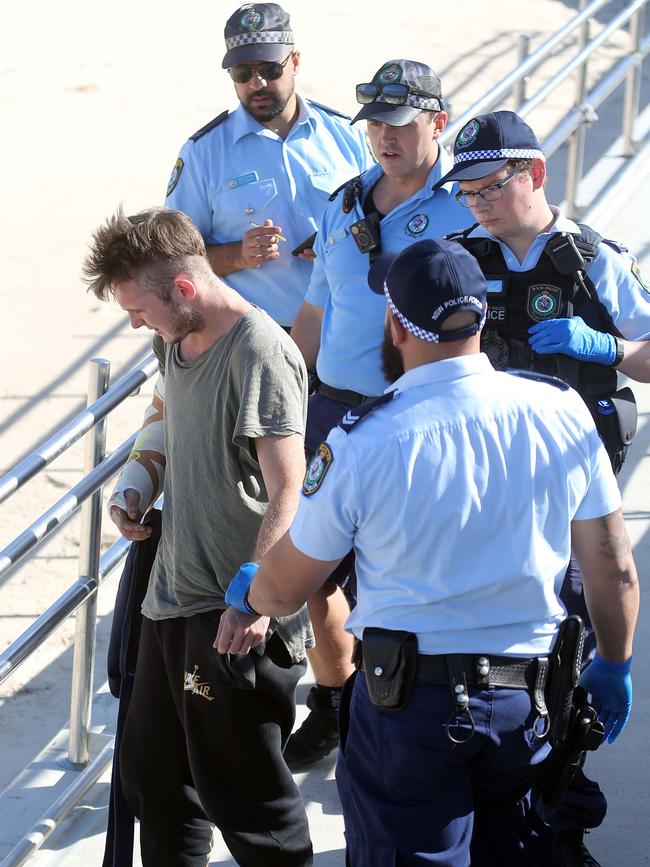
(144, 471)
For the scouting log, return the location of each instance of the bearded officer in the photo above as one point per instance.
(439, 733)
(255, 181)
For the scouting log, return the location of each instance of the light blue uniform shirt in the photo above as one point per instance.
(240, 173)
(615, 276)
(457, 498)
(353, 317)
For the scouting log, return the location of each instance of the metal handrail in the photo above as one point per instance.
(580, 58)
(44, 454)
(504, 88)
(59, 611)
(63, 509)
(573, 127)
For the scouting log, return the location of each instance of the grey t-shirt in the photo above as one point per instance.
(250, 383)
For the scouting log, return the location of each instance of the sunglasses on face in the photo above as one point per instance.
(269, 70)
(393, 94)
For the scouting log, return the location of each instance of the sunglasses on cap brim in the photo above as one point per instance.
(393, 94)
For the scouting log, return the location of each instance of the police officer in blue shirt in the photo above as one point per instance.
(255, 181)
(561, 300)
(461, 490)
(340, 326)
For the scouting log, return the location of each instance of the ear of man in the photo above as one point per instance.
(538, 173)
(185, 285)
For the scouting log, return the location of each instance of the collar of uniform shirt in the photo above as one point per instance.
(560, 224)
(444, 164)
(442, 371)
(245, 123)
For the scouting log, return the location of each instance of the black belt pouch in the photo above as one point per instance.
(616, 428)
(390, 662)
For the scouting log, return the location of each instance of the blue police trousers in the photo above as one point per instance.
(411, 797)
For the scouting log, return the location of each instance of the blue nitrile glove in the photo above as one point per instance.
(572, 337)
(610, 687)
(237, 592)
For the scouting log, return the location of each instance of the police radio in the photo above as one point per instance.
(567, 259)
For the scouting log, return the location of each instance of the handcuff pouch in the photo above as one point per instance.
(390, 662)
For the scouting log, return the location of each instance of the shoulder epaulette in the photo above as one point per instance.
(354, 416)
(587, 241)
(541, 377)
(616, 245)
(454, 236)
(210, 126)
(478, 247)
(328, 110)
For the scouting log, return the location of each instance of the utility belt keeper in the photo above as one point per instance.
(392, 666)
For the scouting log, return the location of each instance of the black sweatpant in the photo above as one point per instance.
(201, 745)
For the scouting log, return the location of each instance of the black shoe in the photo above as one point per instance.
(319, 733)
(574, 850)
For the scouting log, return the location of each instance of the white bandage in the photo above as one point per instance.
(145, 469)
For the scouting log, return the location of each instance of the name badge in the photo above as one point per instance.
(243, 180)
(495, 287)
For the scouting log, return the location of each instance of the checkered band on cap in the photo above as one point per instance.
(258, 36)
(499, 154)
(414, 329)
(421, 102)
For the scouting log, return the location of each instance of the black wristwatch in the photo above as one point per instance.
(620, 352)
(247, 604)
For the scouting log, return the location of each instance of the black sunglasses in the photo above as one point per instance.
(269, 70)
(393, 94)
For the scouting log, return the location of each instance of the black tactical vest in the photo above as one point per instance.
(517, 300)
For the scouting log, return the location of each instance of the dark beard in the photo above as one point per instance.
(263, 115)
(392, 365)
(186, 320)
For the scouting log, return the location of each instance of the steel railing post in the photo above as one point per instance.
(632, 86)
(576, 148)
(523, 50)
(86, 620)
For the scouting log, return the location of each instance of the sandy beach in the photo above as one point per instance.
(96, 102)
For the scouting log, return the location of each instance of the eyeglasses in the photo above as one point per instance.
(393, 94)
(491, 193)
(269, 70)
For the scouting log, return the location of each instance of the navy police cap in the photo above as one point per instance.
(426, 283)
(487, 142)
(257, 32)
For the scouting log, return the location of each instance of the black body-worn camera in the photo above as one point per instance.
(366, 233)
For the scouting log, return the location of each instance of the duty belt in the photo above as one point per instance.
(391, 664)
(505, 671)
(342, 395)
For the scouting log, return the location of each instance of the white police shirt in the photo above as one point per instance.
(615, 275)
(353, 316)
(457, 497)
(240, 173)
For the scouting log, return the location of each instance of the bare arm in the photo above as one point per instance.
(306, 332)
(282, 461)
(287, 578)
(636, 360)
(611, 586)
(258, 246)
